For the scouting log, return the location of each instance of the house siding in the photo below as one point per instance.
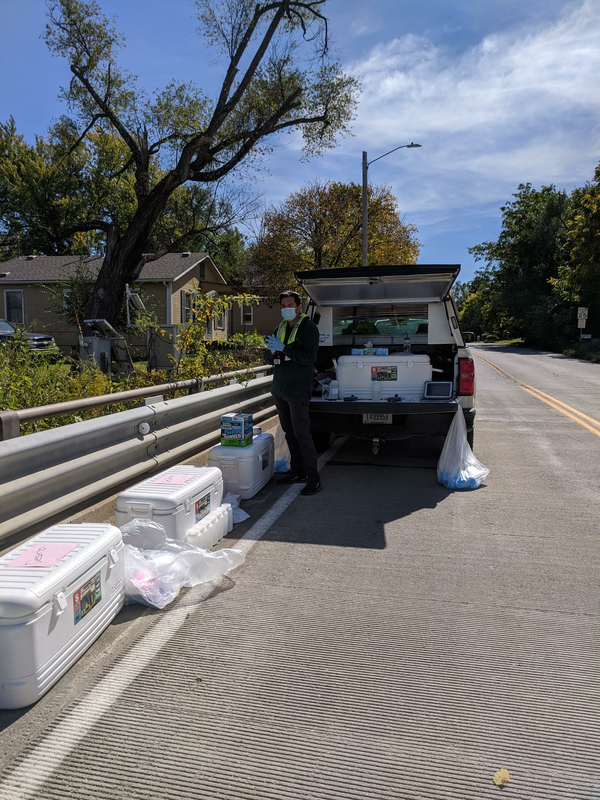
(38, 315)
(265, 319)
(186, 283)
(157, 294)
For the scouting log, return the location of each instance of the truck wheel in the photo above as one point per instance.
(470, 438)
(321, 440)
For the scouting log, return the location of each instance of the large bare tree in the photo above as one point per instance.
(278, 76)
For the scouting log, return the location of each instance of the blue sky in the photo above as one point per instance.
(498, 92)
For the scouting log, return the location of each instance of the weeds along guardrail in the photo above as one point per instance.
(47, 473)
(10, 421)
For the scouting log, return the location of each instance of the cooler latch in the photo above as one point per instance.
(113, 557)
(59, 601)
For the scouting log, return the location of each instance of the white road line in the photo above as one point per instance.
(25, 780)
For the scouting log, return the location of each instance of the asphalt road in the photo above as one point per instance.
(385, 639)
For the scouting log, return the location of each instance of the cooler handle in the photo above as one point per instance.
(143, 510)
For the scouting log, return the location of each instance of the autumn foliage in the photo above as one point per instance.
(320, 227)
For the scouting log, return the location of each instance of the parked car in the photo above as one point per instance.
(390, 336)
(37, 341)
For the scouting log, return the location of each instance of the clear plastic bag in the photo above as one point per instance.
(282, 458)
(144, 533)
(457, 467)
(157, 567)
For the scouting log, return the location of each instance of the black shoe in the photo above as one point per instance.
(312, 487)
(292, 477)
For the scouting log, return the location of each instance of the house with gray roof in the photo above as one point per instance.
(25, 298)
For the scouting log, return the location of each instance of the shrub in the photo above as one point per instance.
(587, 349)
(29, 379)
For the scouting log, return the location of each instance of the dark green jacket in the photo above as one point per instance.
(294, 377)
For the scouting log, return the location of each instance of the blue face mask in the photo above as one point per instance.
(288, 313)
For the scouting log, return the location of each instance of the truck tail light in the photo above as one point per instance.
(466, 376)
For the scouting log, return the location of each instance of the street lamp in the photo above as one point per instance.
(365, 167)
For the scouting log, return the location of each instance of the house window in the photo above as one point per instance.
(209, 328)
(219, 322)
(14, 310)
(68, 299)
(247, 312)
(188, 306)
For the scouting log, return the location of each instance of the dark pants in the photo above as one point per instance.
(295, 421)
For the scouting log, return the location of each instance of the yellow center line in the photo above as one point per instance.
(558, 405)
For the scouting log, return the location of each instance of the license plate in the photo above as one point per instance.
(381, 419)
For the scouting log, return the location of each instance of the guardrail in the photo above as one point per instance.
(10, 421)
(45, 474)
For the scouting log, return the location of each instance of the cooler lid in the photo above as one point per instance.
(167, 490)
(389, 360)
(418, 283)
(259, 444)
(31, 574)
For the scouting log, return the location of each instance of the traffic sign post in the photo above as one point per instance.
(582, 315)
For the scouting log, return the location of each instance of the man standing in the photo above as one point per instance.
(293, 351)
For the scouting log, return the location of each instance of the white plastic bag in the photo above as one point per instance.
(458, 468)
(239, 515)
(156, 568)
(282, 458)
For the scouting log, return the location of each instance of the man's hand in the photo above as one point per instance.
(274, 344)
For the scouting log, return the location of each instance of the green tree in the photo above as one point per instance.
(228, 250)
(578, 282)
(278, 77)
(481, 308)
(460, 291)
(319, 227)
(524, 263)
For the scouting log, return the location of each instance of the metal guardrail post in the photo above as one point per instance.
(10, 426)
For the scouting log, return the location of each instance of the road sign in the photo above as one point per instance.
(582, 313)
(586, 335)
(581, 322)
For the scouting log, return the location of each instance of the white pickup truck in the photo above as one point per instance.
(390, 338)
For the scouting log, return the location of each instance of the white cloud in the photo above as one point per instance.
(520, 106)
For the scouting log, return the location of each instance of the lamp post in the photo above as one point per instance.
(365, 167)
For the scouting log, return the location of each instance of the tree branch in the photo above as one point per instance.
(185, 160)
(126, 136)
(80, 139)
(88, 225)
(221, 111)
(251, 137)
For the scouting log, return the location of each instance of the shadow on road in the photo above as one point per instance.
(362, 492)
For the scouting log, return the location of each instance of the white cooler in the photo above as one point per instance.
(58, 592)
(379, 377)
(246, 469)
(177, 498)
